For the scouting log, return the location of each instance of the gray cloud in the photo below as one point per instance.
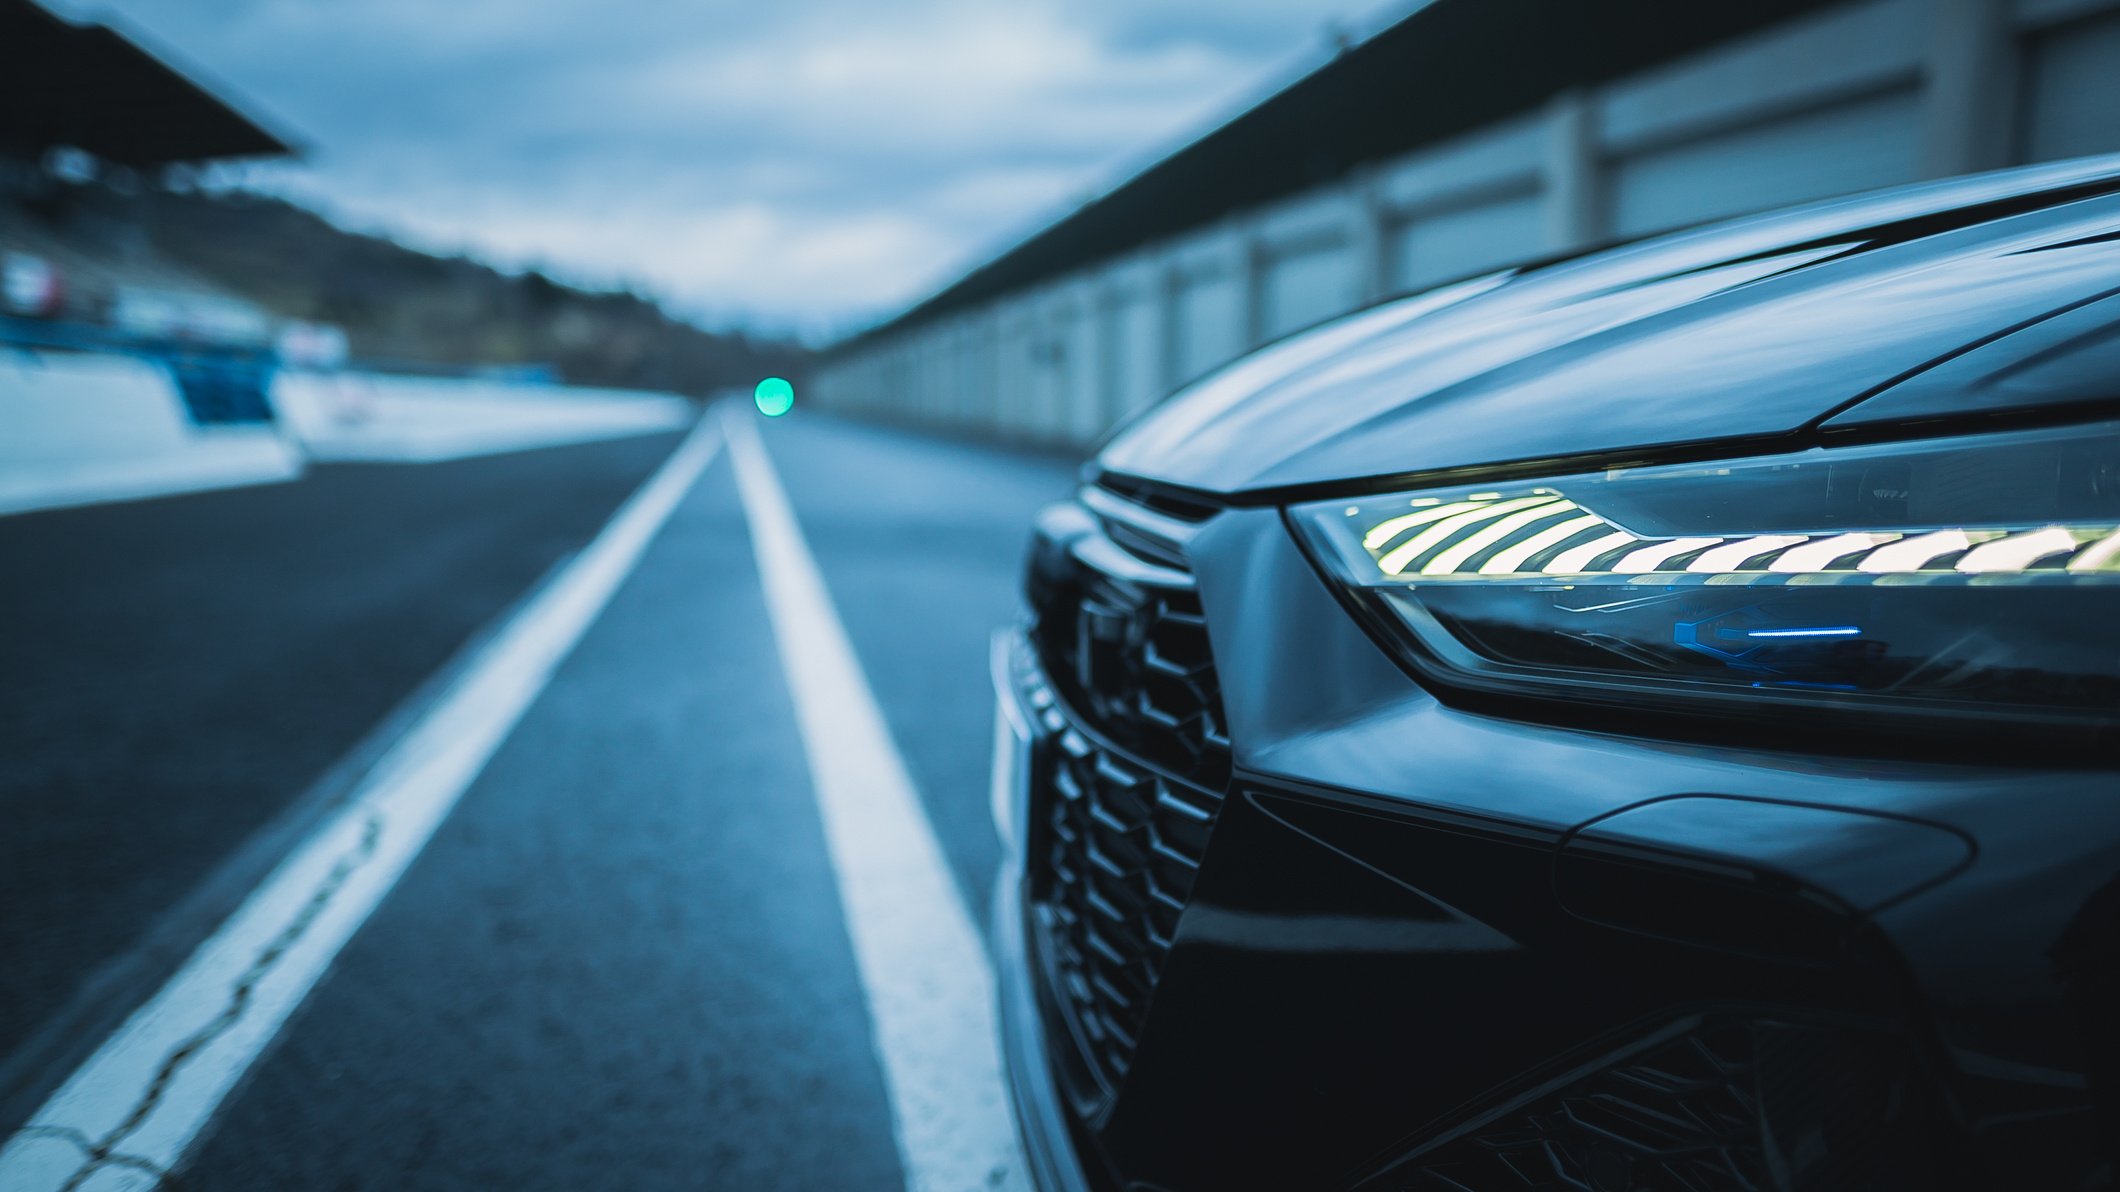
(809, 164)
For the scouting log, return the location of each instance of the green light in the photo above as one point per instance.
(774, 397)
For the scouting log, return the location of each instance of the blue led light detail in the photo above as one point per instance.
(1707, 637)
(1688, 635)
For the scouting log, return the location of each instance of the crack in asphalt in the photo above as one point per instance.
(95, 1163)
(62, 1133)
(164, 1181)
(104, 1153)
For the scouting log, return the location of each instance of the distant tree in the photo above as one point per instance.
(405, 308)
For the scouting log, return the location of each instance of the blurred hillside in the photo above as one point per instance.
(404, 308)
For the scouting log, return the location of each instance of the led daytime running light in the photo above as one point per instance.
(1490, 536)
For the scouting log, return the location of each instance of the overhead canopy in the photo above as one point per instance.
(88, 87)
(1449, 68)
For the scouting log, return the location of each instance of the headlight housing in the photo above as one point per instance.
(1973, 579)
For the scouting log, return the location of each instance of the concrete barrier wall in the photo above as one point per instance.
(78, 428)
(1859, 96)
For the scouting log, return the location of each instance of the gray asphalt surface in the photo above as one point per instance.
(621, 962)
(179, 673)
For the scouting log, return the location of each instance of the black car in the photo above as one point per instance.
(1642, 722)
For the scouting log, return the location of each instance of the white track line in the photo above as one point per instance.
(129, 1114)
(923, 967)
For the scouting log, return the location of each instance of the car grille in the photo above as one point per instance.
(1122, 847)
(1126, 782)
(1128, 650)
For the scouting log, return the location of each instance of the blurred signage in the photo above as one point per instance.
(312, 345)
(29, 285)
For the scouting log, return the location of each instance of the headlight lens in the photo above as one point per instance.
(1971, 576)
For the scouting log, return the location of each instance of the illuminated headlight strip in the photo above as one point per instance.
(1490, 536)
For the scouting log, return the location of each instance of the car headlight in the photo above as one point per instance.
(1972, 577)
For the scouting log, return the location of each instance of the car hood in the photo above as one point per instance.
(1748, 331)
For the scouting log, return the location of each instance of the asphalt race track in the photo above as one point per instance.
(623, 959)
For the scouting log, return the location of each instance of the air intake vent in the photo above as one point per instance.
(1734, 1105)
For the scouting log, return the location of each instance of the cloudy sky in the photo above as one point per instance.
(793, 164)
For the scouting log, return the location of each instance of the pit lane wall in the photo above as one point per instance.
(81, 428)
(1851, 97)
(84, 428)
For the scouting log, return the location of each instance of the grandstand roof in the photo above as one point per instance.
(88, 87)
(1450, 67)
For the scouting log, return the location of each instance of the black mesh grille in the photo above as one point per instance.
(1121, 846)
(1132, 659)
(1126, 786)
(1730, 1106)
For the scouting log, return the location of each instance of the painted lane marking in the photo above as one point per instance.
(923, 966)
(129, 1114)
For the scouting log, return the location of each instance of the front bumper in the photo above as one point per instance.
(1428, 946)
(1041, 1122)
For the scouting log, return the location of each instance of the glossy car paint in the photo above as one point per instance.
(1420, 921)
(1745, 334)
